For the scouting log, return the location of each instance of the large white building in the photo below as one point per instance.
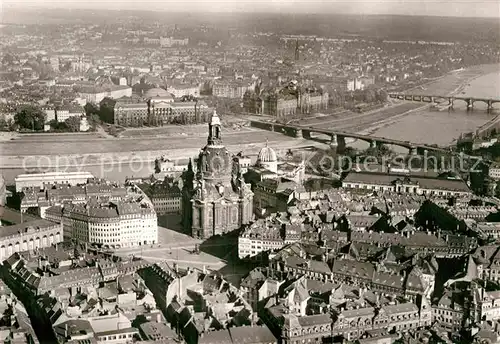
(96, 94)
(42, 180)
(181, 90)
(117, 224)
(256, 240)
(67, 111)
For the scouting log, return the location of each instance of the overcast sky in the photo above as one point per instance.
(458, 8)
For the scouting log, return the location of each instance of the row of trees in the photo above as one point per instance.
(369, 95)
(30, 117)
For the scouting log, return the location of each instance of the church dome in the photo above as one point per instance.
(267, 154)
(157, 92)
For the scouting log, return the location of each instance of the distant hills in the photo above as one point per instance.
(326, 25)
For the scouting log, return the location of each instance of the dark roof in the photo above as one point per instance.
(252, 335)
(216, 337)
(13, 216)
(26, 227)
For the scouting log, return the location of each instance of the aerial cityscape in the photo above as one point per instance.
(288, 172)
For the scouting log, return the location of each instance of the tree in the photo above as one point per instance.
(91, 109)
(370, 95)
(30, 117)
(382, 96)
(3, 124)
(107, 110)
(73, 123)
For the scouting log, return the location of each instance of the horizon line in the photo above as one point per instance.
(17, 6)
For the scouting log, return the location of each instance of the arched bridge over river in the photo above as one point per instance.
(436, 99)
(337, 137)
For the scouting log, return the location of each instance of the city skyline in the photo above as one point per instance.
(485, 9)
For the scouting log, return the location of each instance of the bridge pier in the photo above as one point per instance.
(337, 142)
(450, 103)
(306, 134)
(470, 104)
(334, 141)
(298, 133)
(490, 106)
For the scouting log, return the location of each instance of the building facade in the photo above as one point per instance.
(181, 90)
(130, 114)
(157, 113)
(255, 241)
(166, 197)
(114, 225)
(290, 102)
(96, 94)
(232, 88)
(29, 236)
(67, 111)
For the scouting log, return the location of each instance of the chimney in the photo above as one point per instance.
(66, 330)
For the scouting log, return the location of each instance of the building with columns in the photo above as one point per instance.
(216, 200)
(28, 236)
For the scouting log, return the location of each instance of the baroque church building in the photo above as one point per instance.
(216, 199)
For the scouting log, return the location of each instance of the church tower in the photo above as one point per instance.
(220, 201)
(214, 131)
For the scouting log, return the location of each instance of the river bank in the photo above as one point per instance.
(444, 127)
(17, 155)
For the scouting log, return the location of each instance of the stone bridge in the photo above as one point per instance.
(337, 137)
(469, 101)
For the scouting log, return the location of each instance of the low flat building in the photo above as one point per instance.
(46, 179)
(406, 184)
